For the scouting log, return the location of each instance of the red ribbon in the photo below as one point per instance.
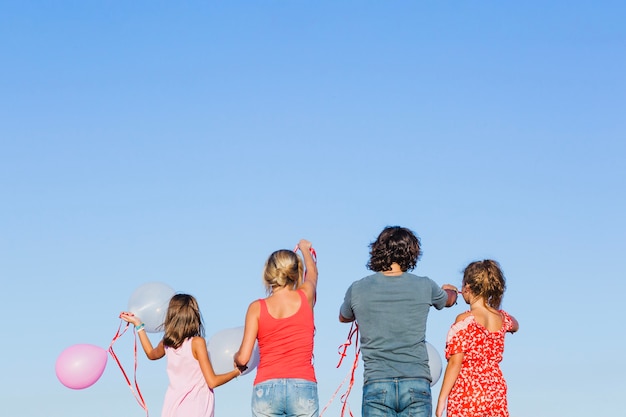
(354, 333)
(136, 392)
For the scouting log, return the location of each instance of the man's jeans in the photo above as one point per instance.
(397, 397)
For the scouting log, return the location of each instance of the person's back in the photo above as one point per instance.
(489, 318)
(391, 308)
(283, 325)
(186, 382)
(473, 381)
(285, 340)
(191, 375)
(480, 384)
(392, 313)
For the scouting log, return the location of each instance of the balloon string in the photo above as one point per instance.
(353, 333)
(136, 391)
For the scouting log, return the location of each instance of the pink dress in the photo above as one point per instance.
(480, 389)
(188, 394)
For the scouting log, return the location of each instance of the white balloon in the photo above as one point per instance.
(434, 362)
(222, 347)
(149, 302)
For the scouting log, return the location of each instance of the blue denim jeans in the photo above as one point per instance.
(397, 397)
(287, 397)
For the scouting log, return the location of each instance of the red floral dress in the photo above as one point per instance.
(480, 389)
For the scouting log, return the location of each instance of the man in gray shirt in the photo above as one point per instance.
(391, 309)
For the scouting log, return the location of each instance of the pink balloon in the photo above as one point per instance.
(80, 366)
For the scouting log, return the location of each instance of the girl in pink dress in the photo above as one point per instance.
(191, 375)
(473, 385)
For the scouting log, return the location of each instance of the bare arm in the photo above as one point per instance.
(309, 286)
(346, 303)
(449, 379)
(153, 353)
(342, 319)
(200, 352)
(250, 331)
(452, 292)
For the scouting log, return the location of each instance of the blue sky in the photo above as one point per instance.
(183, 143)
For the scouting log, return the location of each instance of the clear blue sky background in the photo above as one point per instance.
(183, 142)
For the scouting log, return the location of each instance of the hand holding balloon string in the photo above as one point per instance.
(132, 319)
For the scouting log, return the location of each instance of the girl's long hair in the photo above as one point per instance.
(182, 321)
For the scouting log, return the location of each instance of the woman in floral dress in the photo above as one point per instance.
(473, 384)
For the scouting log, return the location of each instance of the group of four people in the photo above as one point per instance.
(390, 306)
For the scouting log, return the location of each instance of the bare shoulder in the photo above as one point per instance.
(198, 347)
(310, 290)
(462, 316)
(254, 309)
(198, 341)
(514, 324)
(255, 305)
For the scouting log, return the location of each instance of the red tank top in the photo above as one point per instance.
(286, 345)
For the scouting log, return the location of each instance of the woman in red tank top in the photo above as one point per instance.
(283, 325)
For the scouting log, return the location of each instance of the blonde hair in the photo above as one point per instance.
(486, 279)
(182, 321)
(284, 268)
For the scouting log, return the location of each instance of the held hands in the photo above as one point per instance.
(240, 368)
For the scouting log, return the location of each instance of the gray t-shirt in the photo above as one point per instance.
(391, 313)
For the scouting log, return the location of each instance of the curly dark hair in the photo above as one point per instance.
(394, 244)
